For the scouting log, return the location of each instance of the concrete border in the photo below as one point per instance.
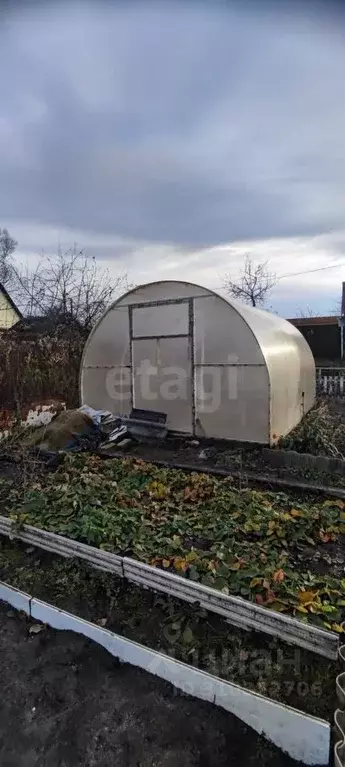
(304, 737)
(291, 459)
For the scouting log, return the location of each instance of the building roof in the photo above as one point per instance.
(10, 300)
(309, 321)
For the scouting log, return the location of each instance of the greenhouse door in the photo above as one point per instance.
(162, 370)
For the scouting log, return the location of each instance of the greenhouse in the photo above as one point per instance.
(217, 368)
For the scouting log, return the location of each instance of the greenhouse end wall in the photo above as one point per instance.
(290, 365)
(211, 365)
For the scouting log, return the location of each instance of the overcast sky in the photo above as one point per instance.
(171, 139)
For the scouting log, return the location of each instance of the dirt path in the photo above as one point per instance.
(65, 702)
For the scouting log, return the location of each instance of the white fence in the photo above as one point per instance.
(331, 381)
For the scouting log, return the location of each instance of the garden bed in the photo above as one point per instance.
(66, 701)
(278, 550)
(266, 665)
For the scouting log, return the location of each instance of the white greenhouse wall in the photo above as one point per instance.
(218, 369)
(290, 366)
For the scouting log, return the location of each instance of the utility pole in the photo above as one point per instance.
(342, 322)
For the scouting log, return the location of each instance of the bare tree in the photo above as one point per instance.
(253, 285)
(306, 313)
(68, 288)
(7, 248)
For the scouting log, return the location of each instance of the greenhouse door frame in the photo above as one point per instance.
(189, 334)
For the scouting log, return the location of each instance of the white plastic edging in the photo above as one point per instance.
(304, 737)
(339, 716)
(237, 611)
(15, 598)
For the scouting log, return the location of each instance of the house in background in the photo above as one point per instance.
(9, 312)
(324, 337)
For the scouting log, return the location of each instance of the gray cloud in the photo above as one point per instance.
(181, 124)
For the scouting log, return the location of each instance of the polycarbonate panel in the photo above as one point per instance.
(232, 403)
(163, 320)
(107, 389)
(290, 366)
(163, 379)
(293, 393)
(160, 291)
(221, 336)
(109, 343)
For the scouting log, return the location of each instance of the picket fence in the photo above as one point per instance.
(330, 382)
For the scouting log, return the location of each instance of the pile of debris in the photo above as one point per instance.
(89, 429)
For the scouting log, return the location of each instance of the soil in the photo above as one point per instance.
(322, 558)
(66, 702)
(254, 660)
(242, 460)
(238, 457)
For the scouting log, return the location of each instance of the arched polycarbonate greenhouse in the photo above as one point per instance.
(217, 368)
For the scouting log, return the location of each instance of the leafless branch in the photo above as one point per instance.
(253, 285)
(307, 312)
(68, 288)
(7, 248)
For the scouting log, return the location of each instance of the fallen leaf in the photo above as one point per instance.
(259, 599)
(255, 582)
(306, 597)
(337, 627)
(36, 628)
(187, 636)
(279, 576)
(166, 563)
(102, 621)
(328, 609)
(295, 513)
(192, 556)
(270, 596)
(278, 607)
